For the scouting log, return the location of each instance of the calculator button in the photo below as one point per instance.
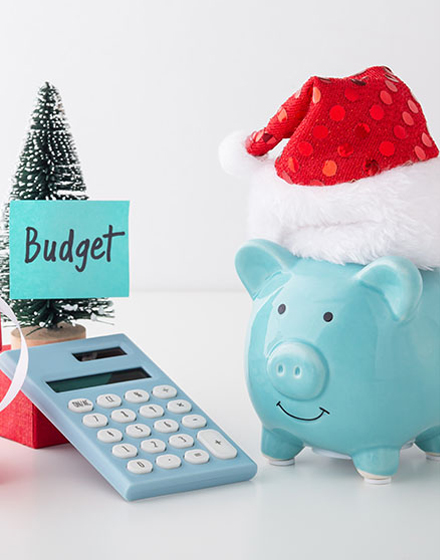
(153, 445)
(166, 426)
(168, 462)
(138, 430)
(80, 405)
(217, 444)
(194, 421)
(179, 406)
(109, 435)
(181, 441)
(109, 401)
(164, 391)
(95, 420)
(123, 415)
(137, 396)
(139, 466)
(124, 450)
(196, 456)
(151, 411)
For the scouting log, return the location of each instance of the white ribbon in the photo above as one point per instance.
(22, 365)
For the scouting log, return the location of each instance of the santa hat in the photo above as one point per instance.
(357, 179)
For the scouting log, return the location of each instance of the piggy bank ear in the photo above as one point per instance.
(258, 261)
(398, 281)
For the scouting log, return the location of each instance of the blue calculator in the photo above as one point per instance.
(128, 418)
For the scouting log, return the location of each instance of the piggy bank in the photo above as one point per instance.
(343, 358)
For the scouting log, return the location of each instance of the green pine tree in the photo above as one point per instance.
(48, 170)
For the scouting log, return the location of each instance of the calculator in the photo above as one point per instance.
(128, 418)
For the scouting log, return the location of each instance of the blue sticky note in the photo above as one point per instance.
(68, 249)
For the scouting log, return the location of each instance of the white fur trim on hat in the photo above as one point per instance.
(396, 212)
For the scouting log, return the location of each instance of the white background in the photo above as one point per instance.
(151, 88)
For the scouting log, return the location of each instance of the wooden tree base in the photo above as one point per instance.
(37, 337)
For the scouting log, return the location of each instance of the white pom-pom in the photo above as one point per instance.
(234, 158)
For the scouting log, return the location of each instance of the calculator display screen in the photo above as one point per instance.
(97, 379)
(99, 354)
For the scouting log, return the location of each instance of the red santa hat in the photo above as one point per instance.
(344, 188)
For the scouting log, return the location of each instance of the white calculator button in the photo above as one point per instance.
(151, 411)
(139, 466)
(194, 421)
(124, 450)
(168, 462)
(109, 435)
(164, 391)
(153, 446)
(137, 396)
(123, 415)
(80, 405)
(109, 401)
(138, 430)
(179, 406)
(181, 441)
(196, 456)
(95, 420)
(217, 444)
(166, 426)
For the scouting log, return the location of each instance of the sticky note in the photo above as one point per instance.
(68, 249)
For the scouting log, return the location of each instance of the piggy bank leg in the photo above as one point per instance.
(377, 466)
(429, 442)
(279, 447)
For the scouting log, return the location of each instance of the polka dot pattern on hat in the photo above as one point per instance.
(316, 97)
(362, 130)
(345, 150)
(344, 129)
(320, 131)
(385, 97)
(337, 113)
(407, 118)
(420, 153)
(305, 148)
(427, 140)
(330, 167)
(387, 148)
(377, 113)
(400, 132)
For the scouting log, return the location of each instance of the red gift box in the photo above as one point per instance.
(22, 422)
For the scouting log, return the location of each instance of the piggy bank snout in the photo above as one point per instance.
(297, 370)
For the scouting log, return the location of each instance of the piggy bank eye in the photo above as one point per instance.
(281, 309)
(328, 316)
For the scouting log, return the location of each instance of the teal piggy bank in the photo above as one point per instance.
(343, 358)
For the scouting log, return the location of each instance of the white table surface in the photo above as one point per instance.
(54, 505)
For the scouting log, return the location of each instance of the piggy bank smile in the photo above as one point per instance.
(323, 411)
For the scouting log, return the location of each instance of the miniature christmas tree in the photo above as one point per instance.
(48, 170)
